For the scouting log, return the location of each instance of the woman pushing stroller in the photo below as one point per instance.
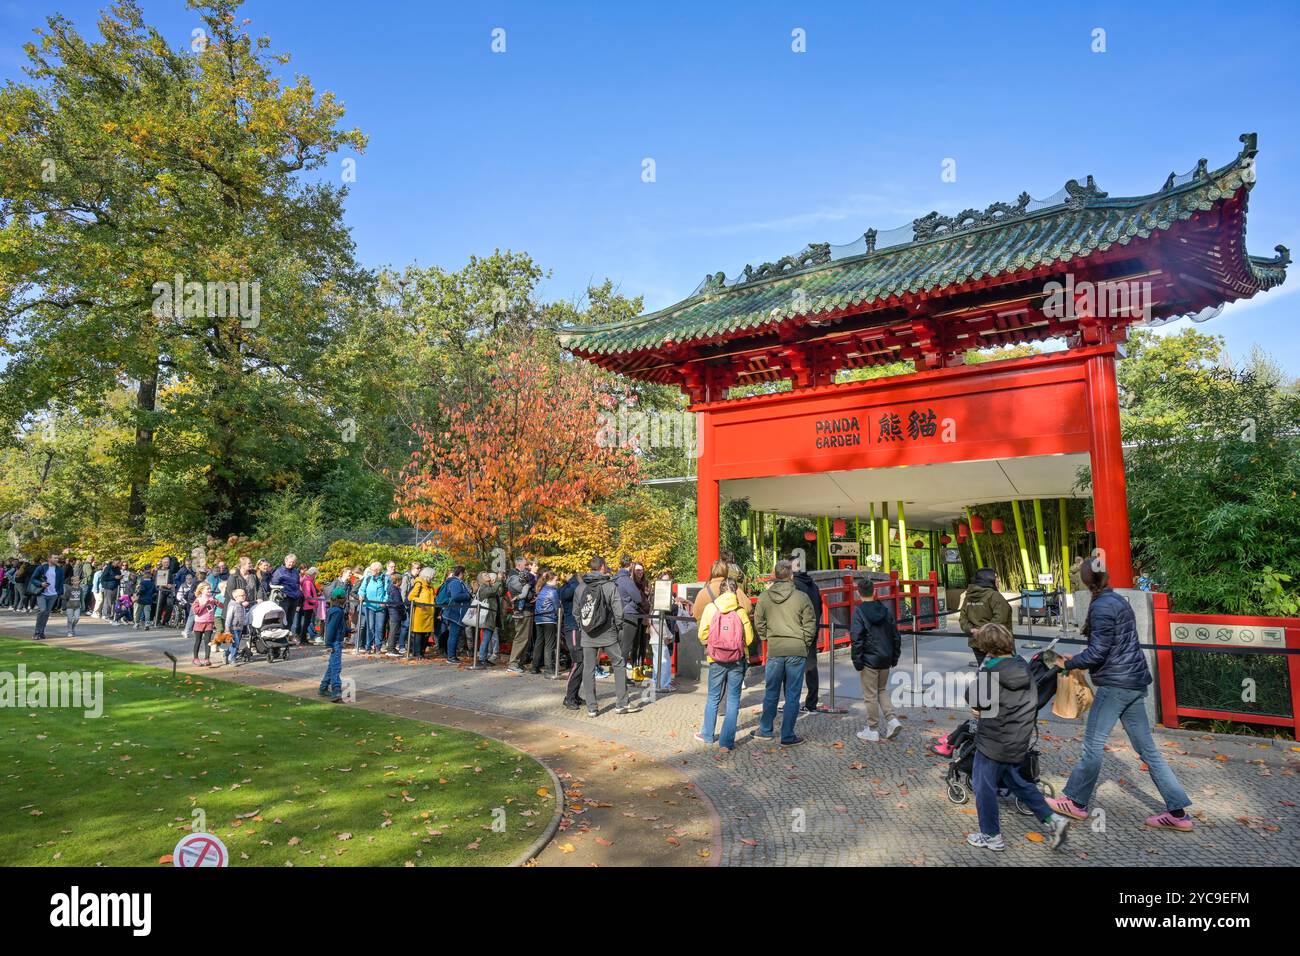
(1120, 673)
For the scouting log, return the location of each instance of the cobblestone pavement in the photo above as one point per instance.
(836, 800)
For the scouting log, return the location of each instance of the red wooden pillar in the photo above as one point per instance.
(706, 501)
(1165, 660)
(1109, 497)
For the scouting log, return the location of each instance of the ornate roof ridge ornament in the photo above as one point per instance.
(933, 224)
(1249, 145)
(816, 254)
(1081, 195)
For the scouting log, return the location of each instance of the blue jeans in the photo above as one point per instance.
(787, 671)
(723, 679)
(1126, 706)
(374, 628)
(990, 776)
(485, 643)
(332, 682)
(453, 637)
(44, 605)
(232, 649)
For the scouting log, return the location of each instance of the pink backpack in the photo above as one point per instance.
(726, 637)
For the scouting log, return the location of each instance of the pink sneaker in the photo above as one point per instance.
(1167, 821)
(1067, 808)
(942, 748)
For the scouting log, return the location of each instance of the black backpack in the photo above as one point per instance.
(594, 613)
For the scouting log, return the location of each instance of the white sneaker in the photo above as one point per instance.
(892, 728)
(867, 734)
(986, 842)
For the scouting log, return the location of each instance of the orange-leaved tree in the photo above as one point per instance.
(503, 465)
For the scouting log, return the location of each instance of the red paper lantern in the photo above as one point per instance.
(839, 528)
(918, 545)
(976, 524)
(963, 529)
(1090, 525)
(945, 540)
(997, 526)
(810, 535)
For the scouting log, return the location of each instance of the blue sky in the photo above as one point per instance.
(759, 150)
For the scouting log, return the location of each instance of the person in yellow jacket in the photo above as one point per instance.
(725, 677)
(422, 596)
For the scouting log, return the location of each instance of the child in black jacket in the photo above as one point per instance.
(876, 648)
(1006, 699)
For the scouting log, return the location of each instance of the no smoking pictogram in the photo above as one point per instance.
(200, 849)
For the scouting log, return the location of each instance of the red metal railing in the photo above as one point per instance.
(1165, 623)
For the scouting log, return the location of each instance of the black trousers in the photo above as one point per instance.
(810, 678)
(573, 689)
(544, 648)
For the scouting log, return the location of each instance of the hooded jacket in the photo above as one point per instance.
(807, 586)
(1112, 656)
(630, 594)
(610, 633)
(983, 604)
(1005, 695)
(712, 588)
(725, 602)
(876, 643)
(784, 618)
(422, 596)
(567, 591)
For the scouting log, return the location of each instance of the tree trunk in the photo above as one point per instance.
(146, 403)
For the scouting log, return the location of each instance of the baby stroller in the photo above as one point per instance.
(962, 740)
(268, 633)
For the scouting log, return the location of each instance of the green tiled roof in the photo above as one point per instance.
(1086, 222)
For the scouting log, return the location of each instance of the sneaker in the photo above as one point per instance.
(703, 739)
(792, 742)
(592, 713)
(196, 662)
(986, 842)
(624, 709)
(1167, 821)
(764, 736)
(805, 709)
(602, 674)
(515, 669)
(869, 735)
(892, 728)
(1068, 808)
(337, 700)
(391, 654)
(571, 705)
(1056, 833)
(324, 693)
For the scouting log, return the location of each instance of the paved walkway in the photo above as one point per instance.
(833, 800)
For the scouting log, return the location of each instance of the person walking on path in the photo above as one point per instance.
(727, 635)
(1120, 673)
(336, 619)
(784, 619)
(599, 610)
(46, 583)
(74, 595)
(982, 603)
(875, 649)
(205, 606)
(1007, 705)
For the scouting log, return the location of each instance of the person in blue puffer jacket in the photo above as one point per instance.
(546, 617)
(1120, 673)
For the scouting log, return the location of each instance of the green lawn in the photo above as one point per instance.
(280, 779)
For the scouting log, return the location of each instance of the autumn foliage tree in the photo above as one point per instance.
(504, 465)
